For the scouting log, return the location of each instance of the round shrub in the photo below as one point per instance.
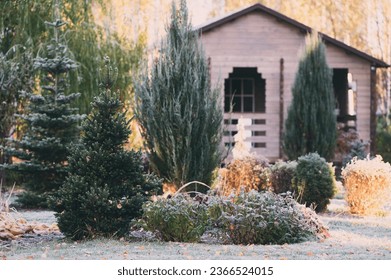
(281, 176)
(247, 173)
(180, 218)
(264, 218)
(368, 184)
(314, 182)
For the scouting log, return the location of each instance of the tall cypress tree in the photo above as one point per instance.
(180, 115)
(311, 123)
(51, 124)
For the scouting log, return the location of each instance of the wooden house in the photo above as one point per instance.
(254, 53)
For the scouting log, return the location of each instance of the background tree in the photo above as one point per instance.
(51, 124)
(106, 186)
(15, 76)
(311, 123)
(22, 22)
(180, 115)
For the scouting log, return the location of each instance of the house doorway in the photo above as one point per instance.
(344, 92)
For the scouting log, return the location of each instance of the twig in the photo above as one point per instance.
(190, 183)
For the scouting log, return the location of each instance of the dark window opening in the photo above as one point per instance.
(258, 121)
(258, 145)
(244, 90)
(258, 133)
(343, 97)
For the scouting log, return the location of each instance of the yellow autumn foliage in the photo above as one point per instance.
(368, 185)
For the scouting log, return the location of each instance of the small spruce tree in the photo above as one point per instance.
(179, 114)
(311, 123)
(51, 125)
(106, 186)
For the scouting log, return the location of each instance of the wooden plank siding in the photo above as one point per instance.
(258, 39)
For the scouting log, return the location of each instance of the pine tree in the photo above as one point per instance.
(16, 75)
(106, 186)
(51, 125)
(180, 115)
(311, 123)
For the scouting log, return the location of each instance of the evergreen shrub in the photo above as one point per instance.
(178, 110)
(358, 149)
(281, 176)
(383, 139)
(180, 218)
(311, 125)
(106, 186)
(264, 218)
(368, 184)
(51, 124)
(314, 182)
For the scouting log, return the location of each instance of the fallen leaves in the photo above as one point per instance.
(11, 228)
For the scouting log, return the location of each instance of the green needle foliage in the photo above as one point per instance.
(51, 125)
(16, 72)
(106, 187)
(311, 123)
(22, 22)
(180, 115)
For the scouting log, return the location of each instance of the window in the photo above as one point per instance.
(245, 90)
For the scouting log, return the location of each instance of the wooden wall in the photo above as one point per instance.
(260, 40)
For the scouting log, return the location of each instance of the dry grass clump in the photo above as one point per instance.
(247, 173)
(12, 228)
(368, 185)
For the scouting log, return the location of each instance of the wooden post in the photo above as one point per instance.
(281, 106)
(373, 111)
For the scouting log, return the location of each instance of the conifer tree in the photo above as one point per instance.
(311, 123)
(16, 75)
(51, 124)
(180, 115)
(22, 23)
(106, 186)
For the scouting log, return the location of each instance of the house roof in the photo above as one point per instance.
(208, 26)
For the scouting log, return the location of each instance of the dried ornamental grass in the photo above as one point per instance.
(368, 185)
(243, 174)
(12, 228)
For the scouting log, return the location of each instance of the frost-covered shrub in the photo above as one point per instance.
(246, 173)
(358, 149)
(367, 183)
(264, 218)
(314, 181)
(281, 176)
(180, 218)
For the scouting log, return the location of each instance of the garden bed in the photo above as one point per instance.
(352, 237)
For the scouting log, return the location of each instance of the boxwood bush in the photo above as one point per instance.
(314, 182)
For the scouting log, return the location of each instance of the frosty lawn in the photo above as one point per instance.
(352, 237)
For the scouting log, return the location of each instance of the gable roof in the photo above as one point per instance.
(303, 28)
